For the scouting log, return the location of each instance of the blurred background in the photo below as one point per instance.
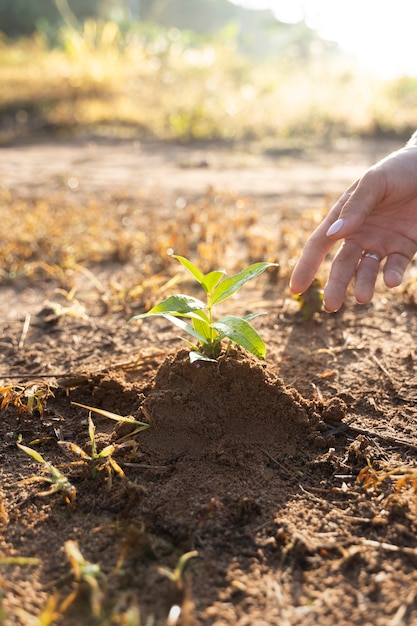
(281, 73)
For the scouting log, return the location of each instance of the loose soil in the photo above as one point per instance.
(262, 493)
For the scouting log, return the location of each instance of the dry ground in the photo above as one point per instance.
(241, 504)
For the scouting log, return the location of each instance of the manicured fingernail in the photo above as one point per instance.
(335, 227)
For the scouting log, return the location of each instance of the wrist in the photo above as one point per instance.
(413, 140)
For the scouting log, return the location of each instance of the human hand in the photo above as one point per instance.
(377, 219)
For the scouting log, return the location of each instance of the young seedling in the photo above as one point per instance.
(48, 616)
(208, 331)
(58, 482)
(125, 419)
(311, 301)
(175, 575)
(98, 461)
(86, 574)
(103, 460)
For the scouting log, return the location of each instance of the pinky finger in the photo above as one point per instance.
(394, 269)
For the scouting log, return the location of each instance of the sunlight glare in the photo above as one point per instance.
(381, 36)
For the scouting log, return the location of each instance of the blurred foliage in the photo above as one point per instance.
(23, 17)
(143, 79)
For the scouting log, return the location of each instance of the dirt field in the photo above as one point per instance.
(277, 492)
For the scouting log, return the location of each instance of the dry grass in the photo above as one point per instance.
(115, 250)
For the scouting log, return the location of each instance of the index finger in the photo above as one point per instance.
(315, 249)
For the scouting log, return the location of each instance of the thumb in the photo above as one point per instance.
(360, 203)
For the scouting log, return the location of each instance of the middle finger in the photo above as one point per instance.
(342, 271)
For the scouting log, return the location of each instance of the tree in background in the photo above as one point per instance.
(257, 32)
(203, 16)
(23, 17)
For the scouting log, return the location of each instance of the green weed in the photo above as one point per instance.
(48, 615)
(311, 301)
(176, 574)
(58, 482)
(103, 460)
(87, 575)
(125, 419)
(97, 461)
(208, 331)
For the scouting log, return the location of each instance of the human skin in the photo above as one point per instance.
(376, 214)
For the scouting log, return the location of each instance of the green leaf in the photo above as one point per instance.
(207, 281)
(92, 435)
(201, 324)
(230, 285)
(311, 301)
(178, 304)
(193, 269)
(251, 316)
(177, 321)
(241, 332)
(107, 451)
(203, 329)
(33, 453)
(212, 279)
(113, 416)
(197, 356)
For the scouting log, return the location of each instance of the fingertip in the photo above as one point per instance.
(333, 298)
(393, 278)
(299, 282)
(329, 310)
(331, 305)
(335, 228)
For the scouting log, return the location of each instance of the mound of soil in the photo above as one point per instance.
(222, 432)
(204, 409)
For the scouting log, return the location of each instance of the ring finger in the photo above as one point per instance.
(366, 274)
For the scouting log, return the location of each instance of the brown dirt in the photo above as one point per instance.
(252, 467)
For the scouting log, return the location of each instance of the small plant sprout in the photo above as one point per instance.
(98, 461)
(128, 419)
(203, 327)
(58, 482)
(311, 301)
(48, 615)
(103, 459)
(175, 575)
(86, 574)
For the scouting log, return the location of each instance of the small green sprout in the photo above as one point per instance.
(311, 301)
(48, 615)
(97, 460)
(86, 574)
(20, 560)
(176, 574)
(209, 332)
(103, 459)
(58, 482)
(125, 419)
